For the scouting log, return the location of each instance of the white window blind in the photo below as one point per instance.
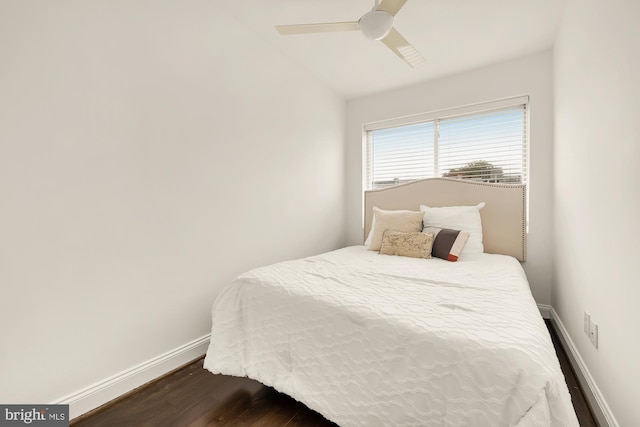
(489, 144)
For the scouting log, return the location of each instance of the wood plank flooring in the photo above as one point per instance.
(583, 411)
(191, 396)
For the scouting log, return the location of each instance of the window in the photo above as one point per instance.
(484, 142)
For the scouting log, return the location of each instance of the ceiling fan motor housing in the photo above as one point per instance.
(375, 25)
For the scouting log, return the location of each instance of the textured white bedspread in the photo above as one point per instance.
(376, 340)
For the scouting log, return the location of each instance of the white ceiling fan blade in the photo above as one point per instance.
(401, 47)
(317, 28)
(391, 6)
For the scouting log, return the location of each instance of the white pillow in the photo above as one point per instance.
(398, 220)
(370, 236)
(463, 218)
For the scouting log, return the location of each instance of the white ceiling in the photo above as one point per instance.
(452, 35)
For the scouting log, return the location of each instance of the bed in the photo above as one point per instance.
(376, 340)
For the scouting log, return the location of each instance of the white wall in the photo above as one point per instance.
(149, 152)
(597, 201)
(531, 76)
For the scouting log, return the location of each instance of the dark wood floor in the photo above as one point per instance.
(193, 397)
(583, 411)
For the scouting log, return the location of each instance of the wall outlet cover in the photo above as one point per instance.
(594, 334)
(587, 323)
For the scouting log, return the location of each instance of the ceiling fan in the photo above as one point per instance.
(377, 24)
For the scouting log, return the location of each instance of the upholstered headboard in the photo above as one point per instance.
(503, 217)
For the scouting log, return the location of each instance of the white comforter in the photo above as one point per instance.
(376, 340)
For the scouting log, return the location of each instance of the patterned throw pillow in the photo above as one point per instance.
(447, 243)
(410, 244)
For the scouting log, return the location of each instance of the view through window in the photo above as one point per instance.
(488, 145)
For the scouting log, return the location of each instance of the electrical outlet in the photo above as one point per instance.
(587, 324)
(594, 334)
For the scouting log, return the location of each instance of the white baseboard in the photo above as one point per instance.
(108, 389)
(596, 400)
(545, 311)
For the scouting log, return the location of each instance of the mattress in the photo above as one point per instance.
(373, 340)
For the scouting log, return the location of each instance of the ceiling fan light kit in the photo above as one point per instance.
(376, 24)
